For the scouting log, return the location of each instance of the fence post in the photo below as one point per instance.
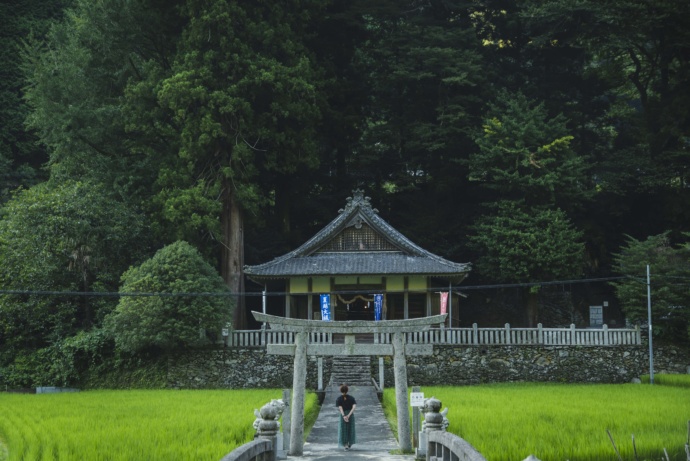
(475, 334)
(433, 421)
(572, 334)
(540, 334)
(605, 329)
(287, 393)
(268, 428)
(415, 421)
(381, 373)
(508, 339)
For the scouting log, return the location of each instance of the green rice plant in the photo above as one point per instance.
(311, 413)
(566, 422)
(127, 425)
(389, 410)
(668, 380)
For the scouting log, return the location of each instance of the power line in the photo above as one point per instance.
(283, 293)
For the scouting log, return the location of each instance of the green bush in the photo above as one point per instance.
(192, 302)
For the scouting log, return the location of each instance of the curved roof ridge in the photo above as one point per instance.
(357, 206)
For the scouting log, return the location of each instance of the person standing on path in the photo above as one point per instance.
(346, 426)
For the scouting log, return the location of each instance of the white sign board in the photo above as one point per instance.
(417, 399)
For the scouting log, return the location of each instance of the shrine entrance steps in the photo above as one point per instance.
(352, 370)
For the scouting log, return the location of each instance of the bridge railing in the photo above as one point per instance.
(266, 445)
(256, 450)
(443, 446)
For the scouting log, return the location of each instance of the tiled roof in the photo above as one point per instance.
(400, 257)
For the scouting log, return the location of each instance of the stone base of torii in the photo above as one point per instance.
(301, 349)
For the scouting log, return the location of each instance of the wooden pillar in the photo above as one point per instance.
(406, 298)
(310, 315)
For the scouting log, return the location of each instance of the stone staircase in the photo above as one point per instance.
(351, 370)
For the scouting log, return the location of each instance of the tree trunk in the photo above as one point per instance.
(532, 308)
(232, 257)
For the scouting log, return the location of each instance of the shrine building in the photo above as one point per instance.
(355, 257)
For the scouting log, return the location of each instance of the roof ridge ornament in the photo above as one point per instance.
(358, 199)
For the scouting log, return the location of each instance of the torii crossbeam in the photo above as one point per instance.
(301, 349)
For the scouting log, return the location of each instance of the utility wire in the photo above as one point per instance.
(283, 293)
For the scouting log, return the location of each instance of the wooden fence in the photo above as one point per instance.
(509, 336)
(259, 338)
(475, 336)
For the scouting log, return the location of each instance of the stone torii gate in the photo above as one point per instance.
(301, 349)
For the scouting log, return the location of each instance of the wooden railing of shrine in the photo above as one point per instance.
(509, 336)
(260, 338)
(474, 336)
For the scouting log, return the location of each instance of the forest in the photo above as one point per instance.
(161, 145)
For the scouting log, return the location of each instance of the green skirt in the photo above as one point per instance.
(346, 432)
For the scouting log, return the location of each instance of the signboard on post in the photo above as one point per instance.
(416, 399)
(378, 306)
(326, 307)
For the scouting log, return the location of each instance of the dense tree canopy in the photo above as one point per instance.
(669, 268)
(71, 237)
(20, 155)
(240, 127)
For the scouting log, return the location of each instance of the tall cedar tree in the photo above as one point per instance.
(243, 95)
(182, 107)
(525, 159)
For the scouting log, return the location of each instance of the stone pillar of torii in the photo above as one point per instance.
(301, 349)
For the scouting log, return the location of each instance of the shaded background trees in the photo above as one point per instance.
(240, 128)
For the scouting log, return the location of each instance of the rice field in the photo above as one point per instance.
(129, 425)
(508, 422)
(669, 380)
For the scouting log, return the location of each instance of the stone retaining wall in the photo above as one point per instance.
(449, 365)
(238, 369)
(454, 365)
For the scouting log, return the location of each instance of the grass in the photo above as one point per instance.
(311, 412)
(566, 422)
(130, 425)
(669, 380)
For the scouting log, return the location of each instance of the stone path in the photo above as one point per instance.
(375, 439)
